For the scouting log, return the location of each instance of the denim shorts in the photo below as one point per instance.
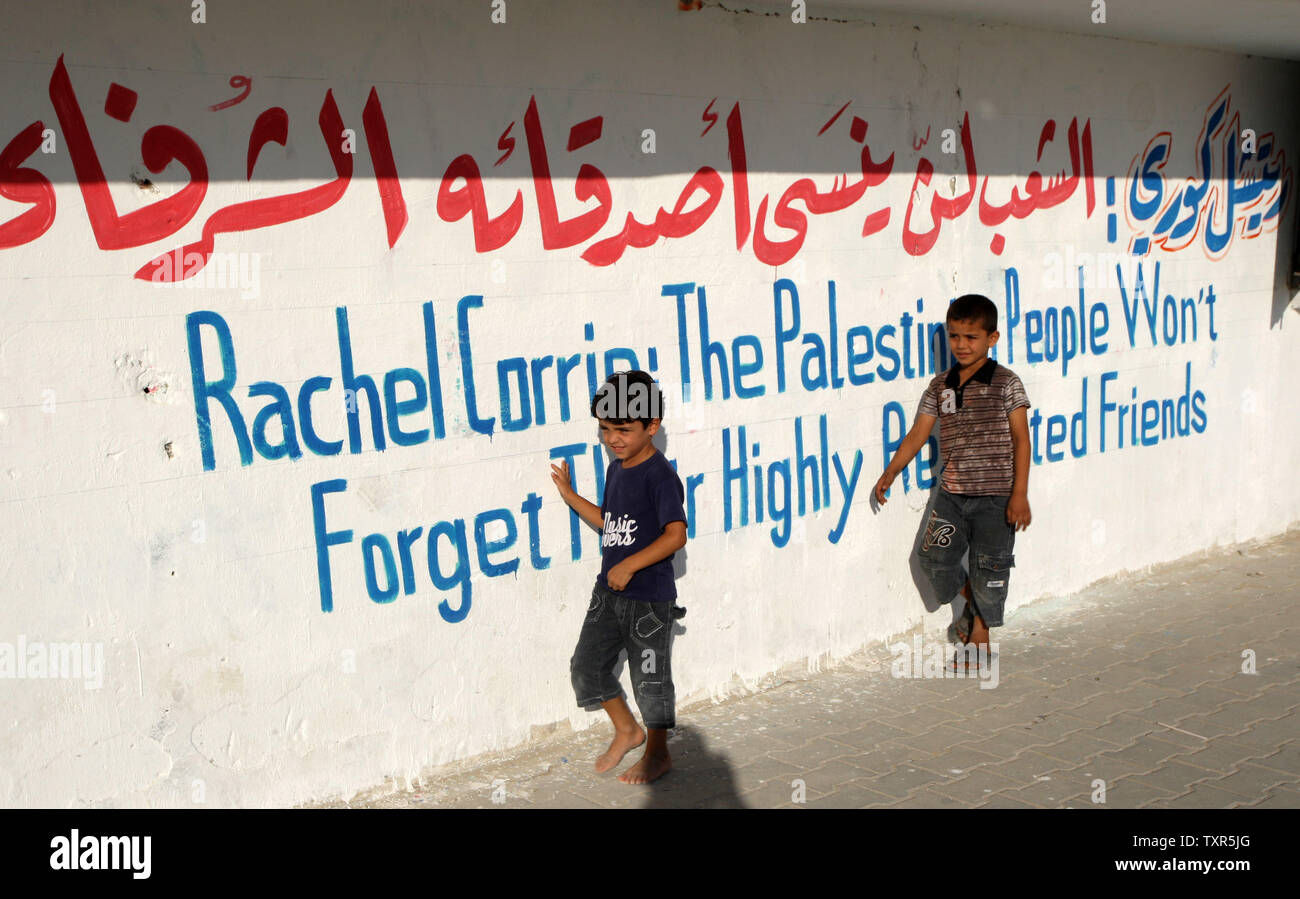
(615, 623)
(960, 522)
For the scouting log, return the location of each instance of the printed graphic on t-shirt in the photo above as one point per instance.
(638, 504)
(618, 532)
(948, 399)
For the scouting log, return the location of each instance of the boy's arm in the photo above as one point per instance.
(672, 539)
(587, 510)
(1018, 505)
(907, 450)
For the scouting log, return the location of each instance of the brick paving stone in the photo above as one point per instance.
(1184, 677)
(937, 687)
(811, 754)
(869, 736)
(1280, 799)
(1027, 658)
(565, 799)
(989, 721)
(1076, 689)
(973, 701)
(1242, 689)
(1133, 792)
(1047, 793)
(975, 788)
(774, 794)
(1250, 781)
(937, 740)
(1174, 776)
(1100, 709)
(1002, 800)
(1147, 640)
(1121, 676)
(1286, 759)
(1087, 773)
(920, 720)
(1285, 692)
(827, 777)
(1051, 727)
(902, 780)
(1200, 796)
(958, 760)
(762, 770)
(1144, 753)
(1028, 768)
(792, 734)
(1241, 715)
(928, 799)
(1075, 749)
(1222, 756)
(1140, 668)
(1083, 801)
(1185, 742)
(1268, 735)
(1212, 646)
(1171, 710)
(684, 788)
(1006, 743)
(887, 757)
(1017, 684)
(853, 794)
(1124, 729)
(1213, 724)
(751, 743)
(894, 700)
(1209, 695)
(1145, 694)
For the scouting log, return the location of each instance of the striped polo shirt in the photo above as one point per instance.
(974, 432)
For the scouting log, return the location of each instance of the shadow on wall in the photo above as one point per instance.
(1286, 274)
(1286, 269)
(927, 109)
(929, 599)
(660, 441)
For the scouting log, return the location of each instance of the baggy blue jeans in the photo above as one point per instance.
(979, 523)
(644, 629)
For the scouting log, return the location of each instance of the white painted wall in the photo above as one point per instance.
(223, 681)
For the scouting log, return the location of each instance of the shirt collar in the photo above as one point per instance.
(985, 374)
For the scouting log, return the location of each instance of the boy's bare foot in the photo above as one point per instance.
(651, 767)
(623, 743)
(972, 662)
(979, 637)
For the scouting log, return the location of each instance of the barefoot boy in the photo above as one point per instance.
(984, 494)
(632, 605)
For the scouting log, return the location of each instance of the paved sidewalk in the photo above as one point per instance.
(1138, 682)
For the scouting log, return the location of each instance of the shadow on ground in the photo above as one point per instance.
(700, 778)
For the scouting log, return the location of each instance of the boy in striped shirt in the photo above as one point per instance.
(984, 492)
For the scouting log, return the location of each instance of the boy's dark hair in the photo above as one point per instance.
(974, 307)
(626, 397)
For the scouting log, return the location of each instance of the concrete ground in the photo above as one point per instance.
(1136, 692)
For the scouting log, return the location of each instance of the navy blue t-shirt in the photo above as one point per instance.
(638, 503)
